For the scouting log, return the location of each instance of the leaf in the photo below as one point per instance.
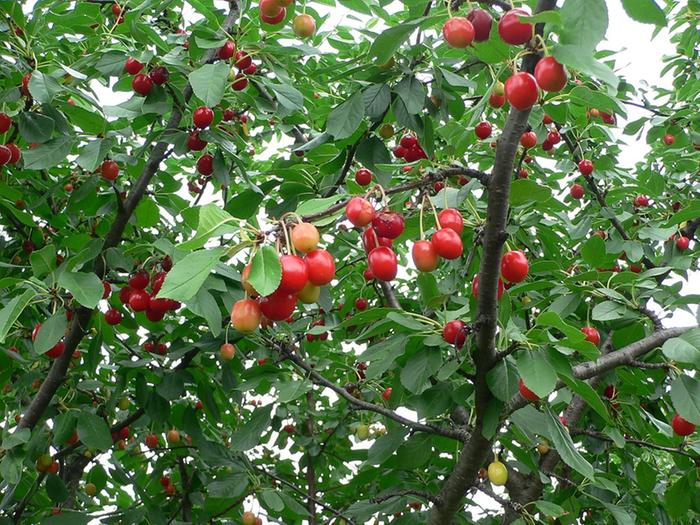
(56, 489)
(685, 394)
(35, 127)
(18, 437)
(645, 11)
(344, 119)
(213, 221)
(265, 271)
(554, 320)
(271, 500)
(248, 435)
(536, 372)
(204, 305)
(288, 96)
(43, 261)
(593, 253)
(565, 447)
(377, 98)
(583, 24)
(386, 44)
(94, 153)
(147, 213)
(550, 509)
(49, 154)
(416, 372)
(67, 517)
(584, 61)
(524, 191)
(608, 311)
(684, 349)
(589, 395)
(456, 80)
(93, 431)
(50, 333)
(12, 310)
(86, 288)
(209, 82)
(412, 92)
(43, 87)
(188, 275)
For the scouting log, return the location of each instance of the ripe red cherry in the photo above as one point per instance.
(250, 70)
(424, 256)
(278, 306)
(447, 243)
(56, 350)
(453, 333)
(246, 315)
(15, 153)
(553, 137)
(371, 240)
(641, 200)
(359, 211)
(550, 74)
(528, 139)
(682, 427)
(521, 90)
(139, 300)
(159, 75)
(386, 394)
(151, 441)
(228, 115)
(124, 295)
(586, 167)
(321, 267)
(514, 266)
(526, 392)
(107, 290)
(361, 303)
(610, 391)
(274, 20)
(483, 130)
(475, 287)
(133, 66)
(5, 155)
(363, 176)
(202, 117)
(157, 282)
(295, 273)
(512, 30)
(451, 218)
(142, 84)
(139, 280)
(522, 173)
(5, 122)
(368, 275)
(243, 60)
(481, 21)
(194, 143)
(496, 101)
(109, 170)
(592, 335)
(669, 139)
(576, 191)
(113, 316)
(682, 243)
(408, 142)
(458, 32)
(205, 165)
(389, 224)
(227, 50)
(383, 264)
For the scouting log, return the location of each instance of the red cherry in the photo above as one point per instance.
(592, 335)
(447, 243)
(386, 394)
(554, 137)
(368, 275)
(165, 481)
(669, 139)
(139, 280)
(142, 84)
(243, 60)
(56, 350)
(159, 75)
(194, 143)
(274, 20)
(116, 9)
(607, 118)
(151, 441)
(682, 243)
(522, 173)
(682, 427)
(481, 21)
(363, 176)
(521, 90)
(576, 191)
(321, 267)
(526, 392)
(496, 101)
(5, 155)
(451, 218)
(528, 139)
(483, 130)
(227, 50)
(295, 273)
(124, 295)
(133, 66)
(279, 305)
(383, 264)
(228, 115)
(240, 83)
(550, 74)
(205, 165)
(15, 153)
(361, 303)
(425, 257)
(512, 30)
(389, 224)
(25, 84)
(586, 167)
(155, 306)
(610, 391)
(641, 201)
(246, 315)
(139, 300)
(458, 32)
(514, 266)
(250, 70)
(371, 240)
(475, 287)
(453, 333)
(107, 290)
(202, 117)
(270, 7)
(109, 170)
(359, 211)
(564, 421)
(408, 142)
(547, 145)
(5, 122)
(113, 316)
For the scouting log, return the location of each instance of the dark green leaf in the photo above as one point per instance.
(188, 274)
(93, 431)
(248, 436)
(345, 118)
(265, 271)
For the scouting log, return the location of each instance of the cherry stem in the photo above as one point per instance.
(540, 39)
(420, 220)
(381, 190)
(290, 248)
(437, 221)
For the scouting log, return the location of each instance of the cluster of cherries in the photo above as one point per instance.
(143, 83)
(409, 149)
(9, 153)
(274, 11)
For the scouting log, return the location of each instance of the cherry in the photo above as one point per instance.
(151, 441)
(142, 84)
(607, 118)
(496, 101)
(159, 75)
(522, 173)
(165, 481)
(228, 115)
(321, 267)
(371, 240)
(113, 316)
(641, 201)
(682, 243)
(586, 167)
(205, 165)
(109, 170)
(528, 139)
(458, 32)
(554, 137)
(361, 303)
(116, 9)
(425, 257)
(139, 300)
(550, 74)
(592, 335)
(521, 89)
(475, 287)
(15, 153)
(408, 142)
(124, 295)
(447, 243)
(526, 392)
(359, 211)
(483, 130)
(240, 83)
(139, 280)
(5, 122)
(386, 394)
(453, 333)
(310, 293)
(270, 7)
(274, 20)
(243, 60)
(367, 274)
(202, 117)
(383, 264)
(451, 218)
(133, 66)
(363, 176)
(250, 70)
(305, 237)
(514, 266)
(388, 224)
(5, 155)
(194, 143)
(56, 350)
(576, 191)
(227, 50)
(25, 84)
(246, 315)
(682, 427)
(279, 305)
(304, 26)
(482, 21)
(173, 436)
(295, 274)
(512, 30)
(669, 139)
(610, 391)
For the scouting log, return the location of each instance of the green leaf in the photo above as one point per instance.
(86, 288)
(204, 305)
(35, 127)
(147, 213)
(288, 96)
(677, 499)
(386, 44)
(565, 447)
(646, 476)
(583, 24)
(18, 437)
(608, 311)
(49, 154)
(213, 221)
(271, 500)
(93, 431)
(265, 271)
(377, 98)
(56, 489)
(50, 333)
(248, 435)
(550, 509)
(94, 153)
(593, 253)
(412, 92)
(43, 261)
(684, 349)
(12, 310)
(344, 119)
(584, 61)
(645, 11)
(67, 517)
(417, 371)
(536, 372)
(188, 275)
(524, 191)
(589, 395)
(209, 82)
(554, 320)
(685, 394)
(43, 87)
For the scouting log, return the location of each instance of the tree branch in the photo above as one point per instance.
(638, 442)
(408, 492)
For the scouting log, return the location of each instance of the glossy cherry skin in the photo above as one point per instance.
(383, 264)
(139, 300)
(481, 21)
(243, 60)
(363, 176)
(424, 256)
(526, 392)
(279, 305)
(194, 143)
(359, 211)
(586, 167)
(682, 243)
(270, 7)
(274, 20)
(109, 170)
(304, 26)
(295, 274)
(57, 349)
(389, 224)
(576, 191)
(139, 280)
(246, 315)
(133, 66)
(202, 117)
(528, 139)
(227, 50)
(447, 243)
(681, 427)
(512, 30)
(5, 155)
(453, 333)
(483, 130)
(408, 142)
(458, 32)
(550, 74)
(205, 165)
(475, 287)
(452, 219)
(305, 237)
(5, 122)
(113, 316)
(15, 153)
(669, 139)
(361, 303)
(159, 75)
(521, 90)
(371, 240)
(592, 335)
(514, 266)
(321, 267)
(142, 84)
(641, 201)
